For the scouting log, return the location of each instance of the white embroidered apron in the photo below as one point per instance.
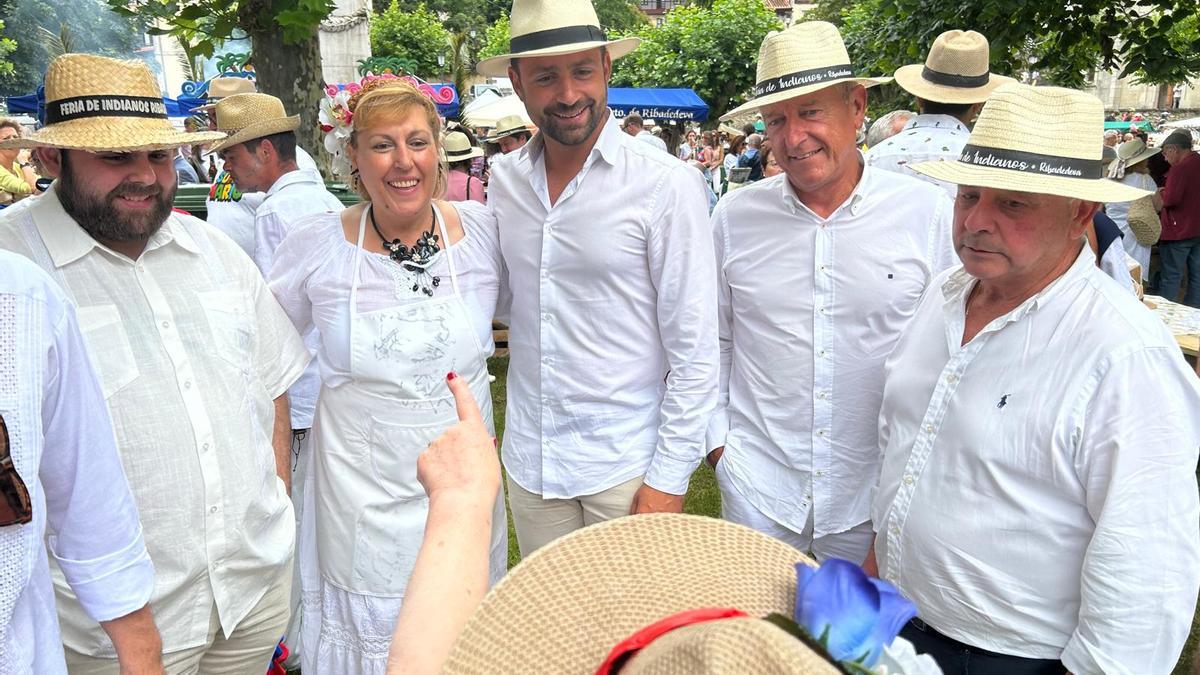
(370, 508)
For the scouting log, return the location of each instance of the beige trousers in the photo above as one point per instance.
(248, 651)
(540, 521)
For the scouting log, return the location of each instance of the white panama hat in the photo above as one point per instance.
(549, 27)
(955, 71)
(1060, 155)
(805, 58)
(457, 147)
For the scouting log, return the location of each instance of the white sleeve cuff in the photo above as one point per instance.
(112, 585)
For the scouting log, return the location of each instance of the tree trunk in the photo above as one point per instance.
(290, 72)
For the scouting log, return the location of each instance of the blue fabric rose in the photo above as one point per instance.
(853, 616)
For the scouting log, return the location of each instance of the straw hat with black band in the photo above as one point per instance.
(568, 605)
(551, 27)
(955, 71)
(97, 104)
(246, 117)
(805, 58)
(1060, 155)
(457, 147)
(507, 126)
(224, 87)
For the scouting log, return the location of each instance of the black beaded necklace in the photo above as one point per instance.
(417, 258)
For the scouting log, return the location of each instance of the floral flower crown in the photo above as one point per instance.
(336, 115)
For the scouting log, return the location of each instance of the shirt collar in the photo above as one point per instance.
(67, 242)
(606, 145)
(957, 287)
(936, 122)
(854, 202)
(293, 177)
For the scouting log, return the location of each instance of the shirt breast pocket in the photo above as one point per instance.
(229, 324)
(109, 347)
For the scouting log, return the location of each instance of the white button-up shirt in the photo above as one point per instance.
(809, 309)
(62, 445)
(295, 195)
(192, 349)
(613, 370)
(926, 138)
(1038, 494)
(232, 211)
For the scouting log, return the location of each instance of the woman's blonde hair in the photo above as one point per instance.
(381, 101)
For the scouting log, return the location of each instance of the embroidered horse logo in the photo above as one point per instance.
(1003, 401)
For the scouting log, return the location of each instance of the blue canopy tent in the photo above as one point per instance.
(658, 104)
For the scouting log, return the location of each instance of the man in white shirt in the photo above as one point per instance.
(194, 357)
(1039, 426)
(613, 371)
(260, 154)
(820, 268)
(634, 126)
(950, 88)
(230, 208)
(59, 459)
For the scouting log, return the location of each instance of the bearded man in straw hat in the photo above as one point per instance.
(950, 88)
(510, 134)
(1039, 425)
(230, 208)
(260, 154)
(613, 328)
(820, 268)
(195, 357)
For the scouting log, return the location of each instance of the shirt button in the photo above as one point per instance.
(952, 378)
(213, 510)
(929, 428)
(820, 472)
(166, 324)
(824, 311)
(908, 479)
(820, 432)
(187, 384)
(821, 395)
(547, 318)
(822, 352)
(895, 529)
(204, 448)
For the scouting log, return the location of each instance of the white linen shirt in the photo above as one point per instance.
(926, 138)
(192, 349)
(1038, 493)
(293, 196)
(613, 370)
(809, 309)
(232, 211)
(62, 445)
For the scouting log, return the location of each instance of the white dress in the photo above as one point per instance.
(1119, 212)
(361, 529)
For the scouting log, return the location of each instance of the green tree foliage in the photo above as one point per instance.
(92, 27)
(712, 51)
(417, 35)
(7, 46)
(620, 16)
(1060, 41)
(495, 39)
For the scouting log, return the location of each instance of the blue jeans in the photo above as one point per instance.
(1179, 257)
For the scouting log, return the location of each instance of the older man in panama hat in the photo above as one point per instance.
(260, 154)
(950, 88)
(819, 269)
(1039, 425)
(194, 356)
(511, 134)
(230, 207)
(613, 324)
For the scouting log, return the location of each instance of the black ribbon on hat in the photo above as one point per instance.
(555, 37)
(1032, 162)
(104, 105)
(802, 78)
(955, 80)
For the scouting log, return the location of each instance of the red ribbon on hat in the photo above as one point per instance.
(639, 640)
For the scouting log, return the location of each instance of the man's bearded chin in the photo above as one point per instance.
(103, 220)
(551, 128)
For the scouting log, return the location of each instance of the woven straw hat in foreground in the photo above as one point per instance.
(99, 104)
(246, 117)
(1060, 155)
(955, 71)
(549, 27)
(565, 607)
(805, 58)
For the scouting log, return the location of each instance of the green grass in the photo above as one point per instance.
(704, 499)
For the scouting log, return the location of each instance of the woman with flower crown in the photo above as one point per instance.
(401, 289)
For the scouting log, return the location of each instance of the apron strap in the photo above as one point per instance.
(449, 250)
(358, 256)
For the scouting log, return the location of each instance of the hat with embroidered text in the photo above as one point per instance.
(1060, 155)
(807, 57)
(96, 103)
